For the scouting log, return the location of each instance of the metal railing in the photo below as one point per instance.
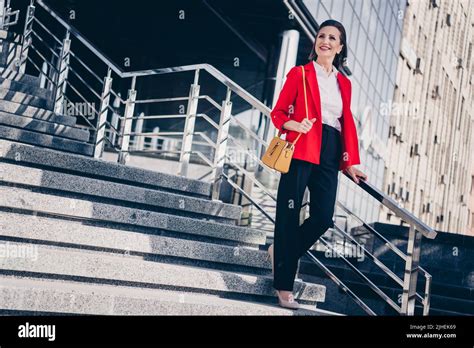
(68, 75)
(8, 17)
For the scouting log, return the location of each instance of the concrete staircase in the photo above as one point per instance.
(111, 239)
(25, 108)
(85, 236)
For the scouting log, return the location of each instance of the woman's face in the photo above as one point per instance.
(328, 42)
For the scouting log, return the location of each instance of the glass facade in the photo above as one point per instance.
(374, 31)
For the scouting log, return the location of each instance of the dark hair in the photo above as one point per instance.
(340, 58)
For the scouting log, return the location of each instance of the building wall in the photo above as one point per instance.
(428, 169)
(374, 30)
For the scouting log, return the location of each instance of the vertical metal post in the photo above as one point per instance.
(221, 145)
(101, 122)
(63, 69)
(188, 132)
(3, 11)
(27, 37)
(154, 139)
(127, 126)
(44, 73)
(426, 300)
(115, 119)
(411, 271)
(139, 139)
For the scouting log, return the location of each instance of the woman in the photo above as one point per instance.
(329, 143)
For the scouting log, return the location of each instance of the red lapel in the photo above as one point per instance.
(312, 81)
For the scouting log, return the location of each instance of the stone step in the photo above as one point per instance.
(25, 79)
(26, 200)
(100, 169)
(45, 140)
(177, 204)
(66, 297)
(22, 98)
(48, 230)
(35, 125)
(36, 113)
(93, 267)
(26, 88)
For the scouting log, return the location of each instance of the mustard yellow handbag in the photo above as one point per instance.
(279, 153)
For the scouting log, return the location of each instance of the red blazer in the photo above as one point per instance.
(291, 105)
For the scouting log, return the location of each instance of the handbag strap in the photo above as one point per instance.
(305, 102)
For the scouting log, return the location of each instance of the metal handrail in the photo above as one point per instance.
(401, 212)
(371, 284)
(341, 284)
(390, 245)
(416, 224)
(379, 263)
(7, 14)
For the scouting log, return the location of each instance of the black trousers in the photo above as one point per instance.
(291, 241)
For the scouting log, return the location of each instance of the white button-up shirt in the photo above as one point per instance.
(331, 100)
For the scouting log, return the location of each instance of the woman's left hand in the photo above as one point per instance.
(356, 174)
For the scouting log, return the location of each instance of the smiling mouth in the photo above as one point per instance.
(324, 48)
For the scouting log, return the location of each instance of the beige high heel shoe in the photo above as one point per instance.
(290, 303)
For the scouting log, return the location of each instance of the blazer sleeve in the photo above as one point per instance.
(353, 143)
(281, 112)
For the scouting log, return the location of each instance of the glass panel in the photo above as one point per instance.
(383, 10)
(366, 82)
(357, 4)
(378, 37)
(351, 58)
(369, 59)
(396, 43)
(383, 52)
(354, 32)
(361, 46)
(377, 4)
(337, 8)
(379, 79)
(393, 27)
(388, 87)
(327, 5)
(371, 91)
(355, 94)
(364, 17)
(388, 16)
(347, 17)
(311, 5)
(373, 24)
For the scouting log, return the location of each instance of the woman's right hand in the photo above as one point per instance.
(302, 127)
